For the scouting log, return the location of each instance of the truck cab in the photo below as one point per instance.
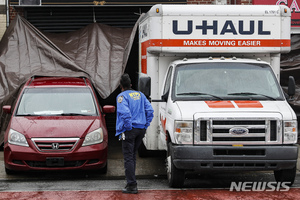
(226, 114)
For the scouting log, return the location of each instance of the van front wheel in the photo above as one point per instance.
(175, 176)
(286, 175)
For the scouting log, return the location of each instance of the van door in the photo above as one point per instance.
(163, 105)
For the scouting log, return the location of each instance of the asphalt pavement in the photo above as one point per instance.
(152, 166)
(149, 167)
(152, 183)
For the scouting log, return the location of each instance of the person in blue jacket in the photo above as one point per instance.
(134, 115)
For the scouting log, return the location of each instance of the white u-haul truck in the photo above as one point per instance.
(214, 73)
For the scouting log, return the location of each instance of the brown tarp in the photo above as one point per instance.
(97, 51)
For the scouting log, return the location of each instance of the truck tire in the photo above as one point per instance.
(175, 176)
(285, 175)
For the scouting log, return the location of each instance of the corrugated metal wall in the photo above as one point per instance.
(66, 19)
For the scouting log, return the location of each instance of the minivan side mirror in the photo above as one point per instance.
(7, 109)
(109, 109)
(165, 96)
(144, 85)
(291, 86)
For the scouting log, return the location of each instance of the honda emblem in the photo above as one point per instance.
(55, 146)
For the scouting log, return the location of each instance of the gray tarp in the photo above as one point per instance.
(97, 51)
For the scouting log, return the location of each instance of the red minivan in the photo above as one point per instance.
(56, 124)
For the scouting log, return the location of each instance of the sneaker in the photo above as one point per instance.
(130, 189)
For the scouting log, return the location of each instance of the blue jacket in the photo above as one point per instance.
(133, 111)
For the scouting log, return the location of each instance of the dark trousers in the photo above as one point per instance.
(130, 145)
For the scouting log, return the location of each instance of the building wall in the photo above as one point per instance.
(13, 11)
(233, 2)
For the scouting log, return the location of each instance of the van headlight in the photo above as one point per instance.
(290, 134)
(184, 132)
(94, 137)
(16, 138)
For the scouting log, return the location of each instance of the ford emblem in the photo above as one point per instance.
(238, 131)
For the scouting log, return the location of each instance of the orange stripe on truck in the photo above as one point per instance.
(218, 43)
(219, 104)
(229, 104)
(248, 104)
(208, 43)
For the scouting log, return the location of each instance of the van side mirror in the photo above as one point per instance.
(144, 85)
(291, 86)
(165, 96)
(7, 109)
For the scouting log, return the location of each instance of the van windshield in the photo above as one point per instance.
(225, 81)
(57, 101)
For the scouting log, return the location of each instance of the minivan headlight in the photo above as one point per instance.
(184, 132)
(94, 137)
(16, 138)
(290, 134)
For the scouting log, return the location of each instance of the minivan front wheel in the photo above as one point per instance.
(9, 172)
(104, 169)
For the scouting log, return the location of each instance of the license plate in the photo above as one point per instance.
(55, 162)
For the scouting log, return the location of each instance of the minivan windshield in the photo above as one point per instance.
(225, 81)
(57, 101)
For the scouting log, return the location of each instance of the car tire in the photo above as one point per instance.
(9, 171)
(285, 175)
(104, 169)
(175, 176)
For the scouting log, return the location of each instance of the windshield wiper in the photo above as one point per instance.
(24, 115)
(62, 114)
(73, 114)
(199, 93)
(251, 93)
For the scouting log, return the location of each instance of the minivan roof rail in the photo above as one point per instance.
(85, 80)
(32, 78)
